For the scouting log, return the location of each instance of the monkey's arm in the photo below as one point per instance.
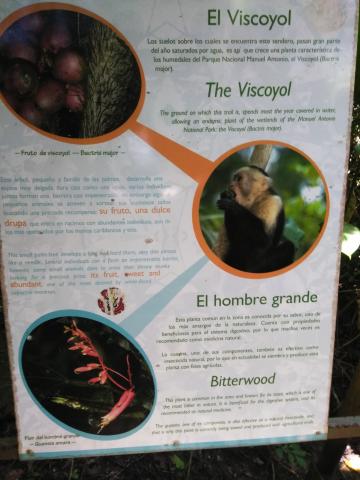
(241, 224)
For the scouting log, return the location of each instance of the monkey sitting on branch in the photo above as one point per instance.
(251, 238)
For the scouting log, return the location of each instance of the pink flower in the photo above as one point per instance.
(87, 368)
(103, 376)
(90, 351)
(94, 380)
(77, 346)
(124, 402)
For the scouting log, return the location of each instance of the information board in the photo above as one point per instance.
(172, 187)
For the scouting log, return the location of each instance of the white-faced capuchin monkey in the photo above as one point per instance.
(251, 238)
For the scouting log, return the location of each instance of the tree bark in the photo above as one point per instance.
(261, 156)
(113, 83)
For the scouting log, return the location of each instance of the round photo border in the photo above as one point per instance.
(48, 6)
(97, 318)
(196, 216)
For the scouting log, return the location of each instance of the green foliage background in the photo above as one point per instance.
(295, 179)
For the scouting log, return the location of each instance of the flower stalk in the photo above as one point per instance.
(79, 340)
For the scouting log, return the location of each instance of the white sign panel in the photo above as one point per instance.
(172, 184)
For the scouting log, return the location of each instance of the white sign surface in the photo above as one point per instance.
(172, 184)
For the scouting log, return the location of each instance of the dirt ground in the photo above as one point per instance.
(289, 462)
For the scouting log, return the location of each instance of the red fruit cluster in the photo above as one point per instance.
(42, 69)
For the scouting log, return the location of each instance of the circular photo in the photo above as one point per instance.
(262, 209)
(87, 376)
(68, 73)
(111, 301)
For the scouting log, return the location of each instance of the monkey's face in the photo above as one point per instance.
(248, 184)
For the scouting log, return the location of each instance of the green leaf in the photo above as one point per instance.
(351, 239)
(178, 462)
(302, 463)
(75, 475)
(293, 455)
(279, 451)
(293, 233)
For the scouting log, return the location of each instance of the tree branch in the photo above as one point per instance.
(261, 155)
